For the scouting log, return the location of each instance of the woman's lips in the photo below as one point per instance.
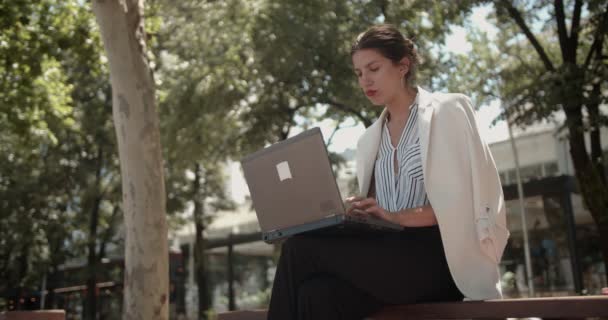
(370, 93)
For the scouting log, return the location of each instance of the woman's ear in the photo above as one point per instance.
(404, 66)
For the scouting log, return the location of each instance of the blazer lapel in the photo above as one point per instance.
(367, 150)
(425, 115)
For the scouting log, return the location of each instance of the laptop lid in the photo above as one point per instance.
(292, 183)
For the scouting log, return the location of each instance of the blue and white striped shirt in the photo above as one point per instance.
(400, 185)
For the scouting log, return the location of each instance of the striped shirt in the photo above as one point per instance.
(400, 185)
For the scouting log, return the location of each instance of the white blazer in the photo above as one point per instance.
(462, 185)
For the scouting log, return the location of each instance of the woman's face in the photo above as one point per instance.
(379, 77)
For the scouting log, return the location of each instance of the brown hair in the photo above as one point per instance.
(390, 43)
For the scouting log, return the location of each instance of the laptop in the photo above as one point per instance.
(293, 190)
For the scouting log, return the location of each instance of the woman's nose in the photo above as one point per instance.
(365, 80)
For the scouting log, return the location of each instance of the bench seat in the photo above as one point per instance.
(578, 307)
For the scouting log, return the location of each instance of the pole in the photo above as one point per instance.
(43, 292)
(230, 265)
(571, 232)
(524, 226)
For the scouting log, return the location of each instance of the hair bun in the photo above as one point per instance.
(410, 46)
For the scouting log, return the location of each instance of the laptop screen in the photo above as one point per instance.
(292, 182)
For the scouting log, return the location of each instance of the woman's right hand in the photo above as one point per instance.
(369, 207)
(348, 203)
(351, 205)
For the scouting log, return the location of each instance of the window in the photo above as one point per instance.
(503, 178)
(533, 172)
(511, 176)
(551, 169)
(530, 172)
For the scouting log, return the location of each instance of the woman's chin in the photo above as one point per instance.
(376, 102)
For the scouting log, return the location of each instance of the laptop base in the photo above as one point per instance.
(339, 224)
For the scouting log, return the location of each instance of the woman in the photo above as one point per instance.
(422, 165)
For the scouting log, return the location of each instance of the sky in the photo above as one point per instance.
(347, 138)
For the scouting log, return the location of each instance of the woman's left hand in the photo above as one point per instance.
(371, 207)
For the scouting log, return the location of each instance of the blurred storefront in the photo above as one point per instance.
(563, 239)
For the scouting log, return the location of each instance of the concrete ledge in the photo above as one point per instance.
(34, 315)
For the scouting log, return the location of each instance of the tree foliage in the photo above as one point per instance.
(58, 170)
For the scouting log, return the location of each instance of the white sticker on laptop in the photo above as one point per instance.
(284, 171)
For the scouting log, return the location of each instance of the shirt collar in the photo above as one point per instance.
(415, 102)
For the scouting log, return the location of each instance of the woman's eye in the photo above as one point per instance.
(373, 69)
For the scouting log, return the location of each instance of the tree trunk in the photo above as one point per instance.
(108, 233)
(146, 276)
(23, 261)
(92, 263)
(104, 238)
(597, 156)
(594, 192)
(200, 273)
(49, 302)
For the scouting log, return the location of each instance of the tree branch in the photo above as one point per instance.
(595, 137)
(562, 33)
(366, 122)
(383, 5)
(336, 129)
(284, 130)
(598, 40)
(516, 15)
(575, 27)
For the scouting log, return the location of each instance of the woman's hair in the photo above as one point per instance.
(390, 43)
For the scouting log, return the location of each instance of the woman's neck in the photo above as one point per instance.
(399, 107)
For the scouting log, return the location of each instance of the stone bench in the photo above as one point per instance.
(579, 307)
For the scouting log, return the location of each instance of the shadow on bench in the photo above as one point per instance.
(546, 308)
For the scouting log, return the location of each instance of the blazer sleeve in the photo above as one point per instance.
(489, 205)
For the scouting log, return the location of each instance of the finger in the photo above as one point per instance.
(375, 211)
(365, 203)
(359, 213)
(349, 208)
(353, 199)
(356, 211)
(380, 213)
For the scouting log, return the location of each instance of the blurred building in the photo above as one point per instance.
(558, 222)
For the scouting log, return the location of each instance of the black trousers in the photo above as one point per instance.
(352, 276)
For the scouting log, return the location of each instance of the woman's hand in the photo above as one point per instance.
(369, 206)
(348, 203)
